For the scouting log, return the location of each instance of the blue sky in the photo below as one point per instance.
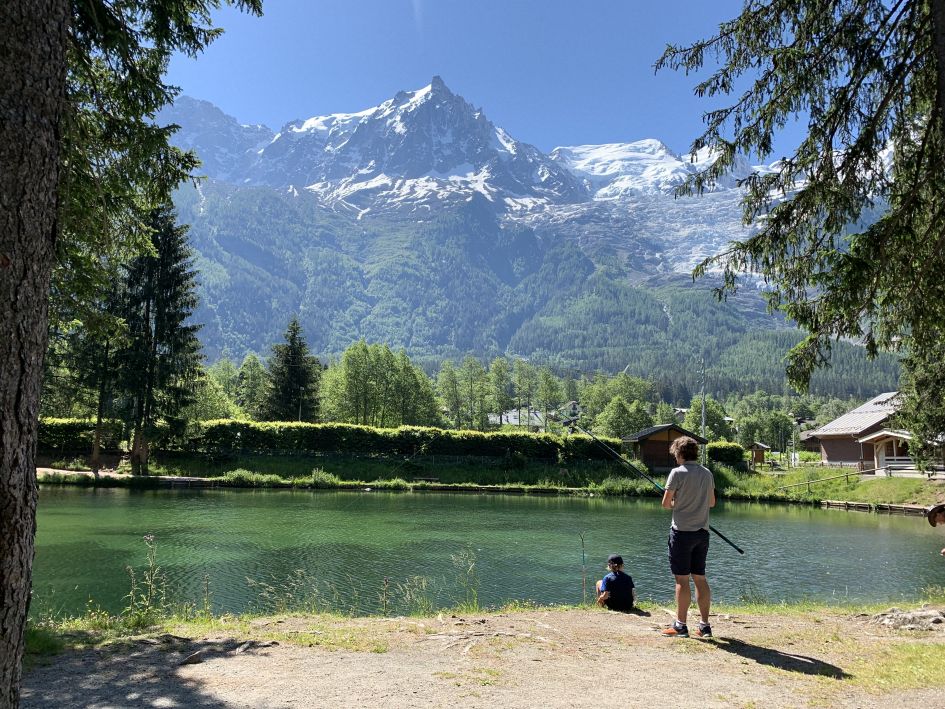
(551, 72)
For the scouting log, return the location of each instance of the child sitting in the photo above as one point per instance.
(616, 591)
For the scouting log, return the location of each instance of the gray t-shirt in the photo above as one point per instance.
(692, 485)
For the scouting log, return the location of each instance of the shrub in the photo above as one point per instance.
(76, 435)
(245, 478)
(392, 484)
(725, 452)
(225, 436)
(726, 477)
(323, 480)
(622, 486)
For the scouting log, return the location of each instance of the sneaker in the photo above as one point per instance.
(704, 631)
(676, 630)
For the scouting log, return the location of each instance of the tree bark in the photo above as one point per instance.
(32, 101)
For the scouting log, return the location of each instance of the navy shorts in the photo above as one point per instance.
(688, 551)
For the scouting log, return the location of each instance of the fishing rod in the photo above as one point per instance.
(572, 424)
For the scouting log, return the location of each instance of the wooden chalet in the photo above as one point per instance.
(651, 445)
(843, 441)
(808, 441)
(890, 449)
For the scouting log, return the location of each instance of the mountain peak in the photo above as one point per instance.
(437, 84)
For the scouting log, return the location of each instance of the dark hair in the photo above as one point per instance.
(686, 447)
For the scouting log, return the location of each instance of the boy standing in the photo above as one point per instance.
(690, 492)
(616, 591)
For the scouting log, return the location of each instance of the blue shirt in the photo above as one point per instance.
(620, 587)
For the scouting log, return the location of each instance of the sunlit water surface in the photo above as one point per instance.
(261, 550)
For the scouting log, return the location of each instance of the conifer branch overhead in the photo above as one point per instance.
(848, 230)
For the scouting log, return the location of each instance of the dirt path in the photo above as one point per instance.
(531, 658)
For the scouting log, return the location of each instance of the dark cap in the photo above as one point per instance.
(933, 511)
(615, 559)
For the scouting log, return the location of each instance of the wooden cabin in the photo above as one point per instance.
(758, 452)
(841, 440)
(651, 445)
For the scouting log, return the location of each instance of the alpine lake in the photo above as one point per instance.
(374, 552)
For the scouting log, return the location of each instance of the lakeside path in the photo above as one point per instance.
(522, 658)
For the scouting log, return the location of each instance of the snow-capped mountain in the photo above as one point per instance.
(616, 170)
(426, 150)
(414, 150)
(421, 224)
(226, 148)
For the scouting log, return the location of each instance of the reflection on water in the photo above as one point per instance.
(263, 548)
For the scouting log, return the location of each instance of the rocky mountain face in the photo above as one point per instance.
(420, 223)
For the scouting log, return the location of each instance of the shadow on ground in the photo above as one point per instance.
(781, 660)
(144, 673)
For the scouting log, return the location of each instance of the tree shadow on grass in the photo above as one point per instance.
(782, 660)
(142, 673)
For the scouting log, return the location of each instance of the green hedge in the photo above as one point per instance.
(227, 435)
(726, 452)
(76, 435)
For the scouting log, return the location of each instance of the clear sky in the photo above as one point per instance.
(551, 72)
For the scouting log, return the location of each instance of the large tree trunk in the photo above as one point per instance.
(32, 99)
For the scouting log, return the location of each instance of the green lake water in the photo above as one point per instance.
(259, 550)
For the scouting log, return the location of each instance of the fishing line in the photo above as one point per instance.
(572, 424)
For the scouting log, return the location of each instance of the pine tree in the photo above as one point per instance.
(850, 227)
(294, 377)
(160, 362)
(58, 59)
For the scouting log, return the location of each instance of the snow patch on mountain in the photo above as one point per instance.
(618, 170)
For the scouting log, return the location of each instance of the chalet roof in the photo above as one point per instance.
(647, 432)
(873, 412)
(758, 446)
(807, 435)
(886, 433)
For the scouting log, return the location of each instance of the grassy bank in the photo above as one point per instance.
(802, 485)
(809, 485)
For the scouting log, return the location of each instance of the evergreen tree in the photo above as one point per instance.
(122, 50)
(159, 362)
(865, 188)
(292, 394)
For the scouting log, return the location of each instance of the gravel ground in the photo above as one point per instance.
(530, 658)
